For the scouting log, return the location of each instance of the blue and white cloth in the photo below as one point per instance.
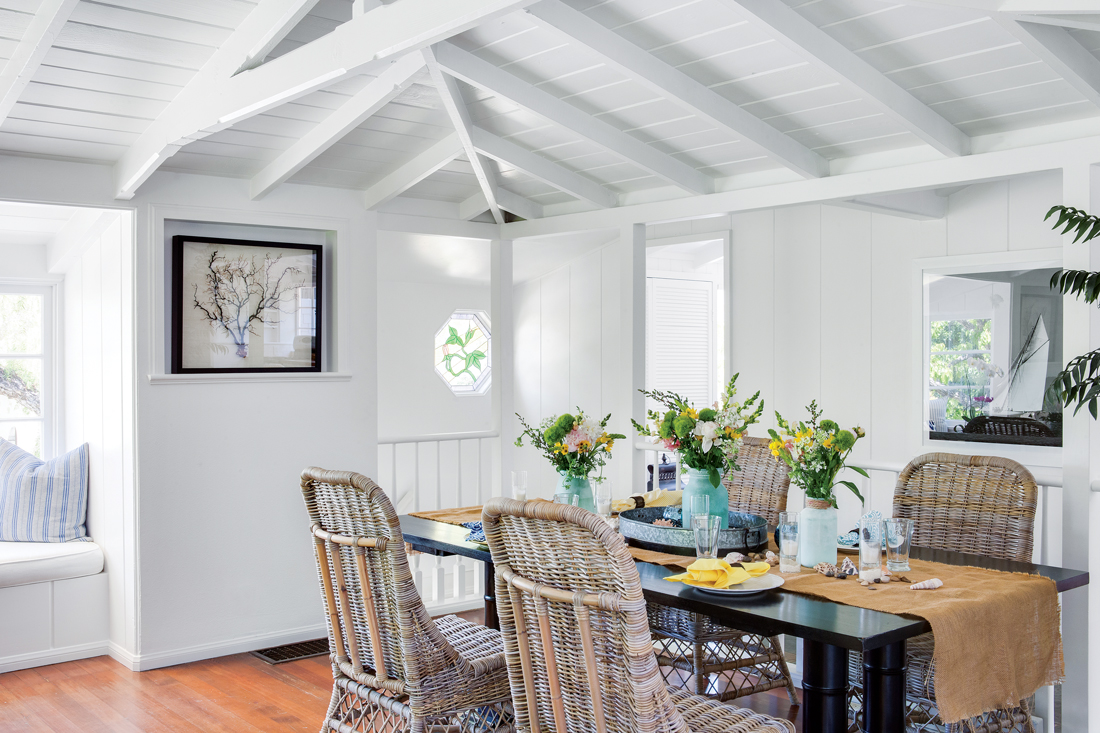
(477, 534)
(43, 501)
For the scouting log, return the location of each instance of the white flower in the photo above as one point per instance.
(708, 431)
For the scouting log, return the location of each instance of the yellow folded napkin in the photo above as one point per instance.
(712, 573)
(657, 497)
(755, 569)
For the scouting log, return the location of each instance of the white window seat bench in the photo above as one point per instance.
(53, 603)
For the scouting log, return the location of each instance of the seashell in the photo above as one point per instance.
(903, 579)
(885, 572)
(841, 575)
(878, 580)
(771, 558)
(735, 557)
(662, 523)
(885, 579)
(930, 584)
(864, 583)
(848, 567)
(825, 568)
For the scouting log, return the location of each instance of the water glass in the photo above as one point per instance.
(706, 530)
(699, 505)
(519, 485)
(899, 537)
(603, 499)
(567, 497)
(870, 548)
(788, 543)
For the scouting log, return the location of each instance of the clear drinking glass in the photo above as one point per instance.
(706, 530)
(788, 543)
(870, 548)
(899, 537)
(567, 498)
(519, 485)
(603, 499)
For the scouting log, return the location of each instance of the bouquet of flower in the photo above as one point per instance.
(708, 439)
(576, 445)
(816, 452)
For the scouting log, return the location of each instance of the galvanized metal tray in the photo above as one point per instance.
(746, 533)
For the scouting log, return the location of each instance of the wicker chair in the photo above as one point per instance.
(974, 504)
(742, 663)
(575, 632)
(394, 668)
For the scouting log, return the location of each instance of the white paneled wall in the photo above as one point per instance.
(567, 351)
(99, 388)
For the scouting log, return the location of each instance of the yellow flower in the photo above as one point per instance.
(828, 443)
(690, 412)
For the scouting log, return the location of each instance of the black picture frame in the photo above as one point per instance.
(178, 304)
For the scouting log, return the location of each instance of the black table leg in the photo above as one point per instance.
(884, 689)
(824, 687)
(491, 618)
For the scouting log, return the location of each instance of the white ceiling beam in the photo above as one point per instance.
(920, 205)
(37, 39)
(518, 205)
(413, 171)
(277, 31)
(499, 82)
(350, 115)
(507, 152)
(447, 86)
(66, 247)
(1083, 22)
(1061, 52)
(809, 41)
(1066, 7)
(216, 99)
(475, 205)
(649, 71)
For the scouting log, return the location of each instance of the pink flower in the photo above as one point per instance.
(983, 398)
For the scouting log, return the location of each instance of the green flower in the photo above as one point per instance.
(845, 440)
(557, 432)
(829, 425)
(707, 414)
(682, 425)
(665, 428)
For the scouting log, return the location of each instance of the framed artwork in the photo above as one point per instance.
(243, 306)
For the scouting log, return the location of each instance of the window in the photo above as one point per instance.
(462, 353)
(24, 368)
(993, 348)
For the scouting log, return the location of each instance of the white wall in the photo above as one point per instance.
(23, 261)
(98, 400)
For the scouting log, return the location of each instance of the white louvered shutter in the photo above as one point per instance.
(681, 351)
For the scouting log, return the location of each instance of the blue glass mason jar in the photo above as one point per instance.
(697, 483)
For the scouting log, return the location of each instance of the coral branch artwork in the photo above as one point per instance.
(246, 306)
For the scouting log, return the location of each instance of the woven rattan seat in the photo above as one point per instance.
(576, 637)
(394, 667)
(979, 505)
(696, 651)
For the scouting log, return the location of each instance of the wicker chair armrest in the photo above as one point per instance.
(704, 715)
(487, 665)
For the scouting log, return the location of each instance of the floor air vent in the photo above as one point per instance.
(292, 652)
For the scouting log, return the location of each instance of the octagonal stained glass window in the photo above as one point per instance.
(462, 353)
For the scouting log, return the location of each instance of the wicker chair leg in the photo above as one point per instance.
(334, 701)
(792, 694)
(698, 667)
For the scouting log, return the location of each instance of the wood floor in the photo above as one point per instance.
(235, 693)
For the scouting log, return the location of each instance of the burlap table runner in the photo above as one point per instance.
(998, 636)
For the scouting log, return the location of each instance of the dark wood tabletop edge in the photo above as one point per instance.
(1064, 578)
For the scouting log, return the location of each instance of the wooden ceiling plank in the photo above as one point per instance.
(216, 99)
(346, 118)
(547, 171)
(36, 41)
(1061, 52)
(447, 86)
(675, 85)
(809, 41)
(292, 14)
(413, 171)
(495, 80)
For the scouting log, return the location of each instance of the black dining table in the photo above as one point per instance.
(828, 629)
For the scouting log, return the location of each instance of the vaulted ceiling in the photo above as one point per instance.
(505, 108)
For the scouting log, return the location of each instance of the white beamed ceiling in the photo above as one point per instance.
(117, 63)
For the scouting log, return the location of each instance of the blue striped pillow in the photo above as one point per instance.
(42, 501)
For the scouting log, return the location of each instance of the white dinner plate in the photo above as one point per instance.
(759, 584)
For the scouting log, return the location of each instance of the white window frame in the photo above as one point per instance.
(51, 385)
(961, 265)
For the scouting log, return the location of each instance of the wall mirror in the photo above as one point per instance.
(992, 347)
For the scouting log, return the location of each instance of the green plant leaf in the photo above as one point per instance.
(852, 486)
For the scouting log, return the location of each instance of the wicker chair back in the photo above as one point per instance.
(979, 505)
(760, 487)
(564, 574)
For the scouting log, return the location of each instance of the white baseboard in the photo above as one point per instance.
(155, 660)
(52, 656)
(444, 609)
